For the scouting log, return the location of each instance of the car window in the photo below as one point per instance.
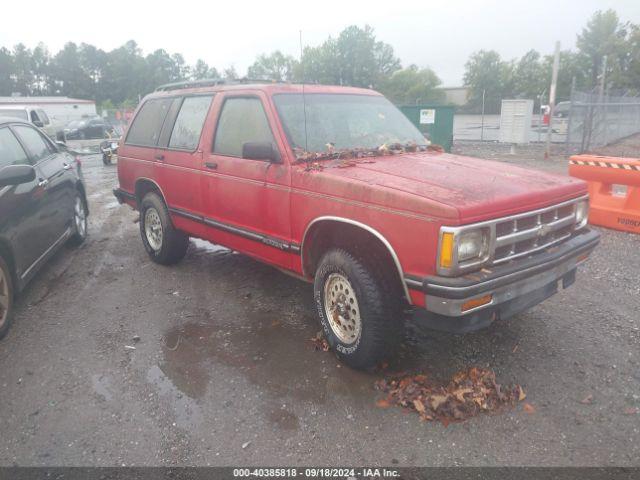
(44, 117)
(37, 146)
(11, 152)
(242, 120)
(188, 126)
(34, 116)
(145, 129)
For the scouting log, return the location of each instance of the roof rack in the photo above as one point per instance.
(209, 82)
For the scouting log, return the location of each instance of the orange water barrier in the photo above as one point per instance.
(614, 190)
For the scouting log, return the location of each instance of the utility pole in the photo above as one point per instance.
(482, 121)
(552, 97)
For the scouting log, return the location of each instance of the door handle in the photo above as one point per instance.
(211, 165)
(66, 166)
(43, 183)
(158, 156)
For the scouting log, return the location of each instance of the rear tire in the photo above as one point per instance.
(6, 298)
(106, 159)
(362, 317)
(163, 242)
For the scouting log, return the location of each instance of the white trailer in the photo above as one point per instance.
(61, 110)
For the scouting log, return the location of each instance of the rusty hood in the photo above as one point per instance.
(470, 189)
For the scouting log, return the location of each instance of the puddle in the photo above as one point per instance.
(187, 412)
(283, 419)
(274, 354)
(101, 386)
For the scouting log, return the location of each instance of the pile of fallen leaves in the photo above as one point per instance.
(320, 342)
(468, 394)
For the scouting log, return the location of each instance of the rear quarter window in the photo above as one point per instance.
(189, 123)
(145, 129)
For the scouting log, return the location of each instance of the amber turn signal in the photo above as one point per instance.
(476, 302)
(446, 250)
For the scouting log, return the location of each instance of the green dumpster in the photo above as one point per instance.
(436, 121)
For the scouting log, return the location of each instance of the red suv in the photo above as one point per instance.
(335, 186)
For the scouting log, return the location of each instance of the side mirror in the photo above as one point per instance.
(38, 123)
(261, 151)
(16, 175)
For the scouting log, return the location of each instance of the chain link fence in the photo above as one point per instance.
(596, 119)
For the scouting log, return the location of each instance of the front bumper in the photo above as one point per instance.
(512, 287)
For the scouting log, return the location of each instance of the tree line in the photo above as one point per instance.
(530, 76)
(355, 57)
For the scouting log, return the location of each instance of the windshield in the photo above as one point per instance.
(336, 122)
(14, 112)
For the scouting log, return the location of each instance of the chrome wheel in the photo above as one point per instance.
(153, 228)
(341, 308)
(4, 298)
(80, 217)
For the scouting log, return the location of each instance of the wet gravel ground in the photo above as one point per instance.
(224, 372)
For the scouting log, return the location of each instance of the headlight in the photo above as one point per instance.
(460, 249)
(582, 213)
(472, 245)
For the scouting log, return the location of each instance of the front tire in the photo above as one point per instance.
(80, 226)
(163, 242)
(6, 298)
(361, 316)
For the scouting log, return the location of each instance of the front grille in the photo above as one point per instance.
(524, 234)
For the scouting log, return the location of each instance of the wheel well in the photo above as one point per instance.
(7, 256)
(364, 244)
(144, 186)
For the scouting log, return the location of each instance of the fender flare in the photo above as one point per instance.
(367, 228)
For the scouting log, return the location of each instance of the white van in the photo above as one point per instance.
(36, 116)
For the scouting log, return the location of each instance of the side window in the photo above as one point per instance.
(43, 116)
(241, 120)
(37, 146)
(188, 126)
(145, 129)
(11, 152)
(34, 116)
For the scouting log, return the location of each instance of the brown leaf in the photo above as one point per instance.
(460, 393)
(419, 405)
(383, 403)
(436, 400)
(527, 407)
(405, 382)
(587, 400)
(521, 394)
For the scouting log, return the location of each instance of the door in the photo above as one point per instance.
(20, 206)
(55, 176)
(180, 154)
(252, 196)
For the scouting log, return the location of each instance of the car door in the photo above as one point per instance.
(55, 176)
(180, 157)
(248, 198)
(20, 207)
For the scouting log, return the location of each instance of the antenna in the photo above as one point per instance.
(304, 100)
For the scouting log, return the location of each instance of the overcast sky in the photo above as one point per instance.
(440, 34)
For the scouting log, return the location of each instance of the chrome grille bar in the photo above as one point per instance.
(534, 231)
